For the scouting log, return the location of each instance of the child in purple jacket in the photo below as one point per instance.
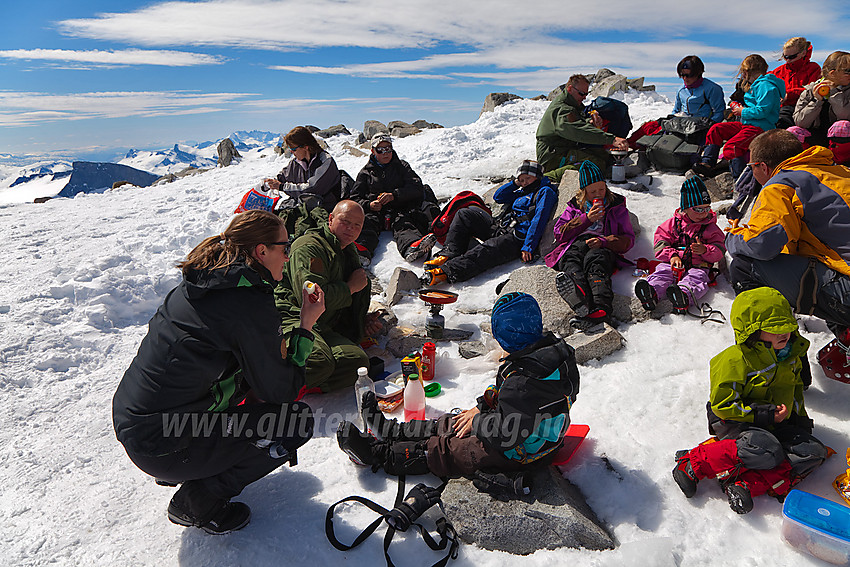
(687, 245)
(592, 234)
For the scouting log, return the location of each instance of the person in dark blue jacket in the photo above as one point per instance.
(515, 234)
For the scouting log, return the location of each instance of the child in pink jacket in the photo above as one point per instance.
(687, 245)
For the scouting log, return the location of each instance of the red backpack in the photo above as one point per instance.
(440, 225)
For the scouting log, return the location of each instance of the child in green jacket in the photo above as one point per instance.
(764, 441)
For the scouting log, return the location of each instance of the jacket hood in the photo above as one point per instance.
(239, 274)
(761, 309)
(812, 156)
(771, 78)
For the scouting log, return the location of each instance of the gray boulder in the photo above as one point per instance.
(424, 124)
(554, 515)
(333, 131)
(311, 128)
(600, 75)
(400, 129)
(402, 281)
(553, 94)
(472, 349)
(88, 177)
(608, 86)
(721, 186)
(404, 340)
(492, 100)
(372, 127)
(356, 152)
(227, 152)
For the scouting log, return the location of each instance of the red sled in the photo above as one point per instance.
(572, 441)
(834, 358)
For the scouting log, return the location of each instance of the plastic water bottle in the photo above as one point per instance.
(429, 359)
(364, 384)
(414, 399)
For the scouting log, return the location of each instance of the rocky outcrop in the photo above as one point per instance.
(372, 127)
(555, 514)
(492, 100)
(227, 152)
(333, 131)
(400, 129)
(424, 124)
(88, 177)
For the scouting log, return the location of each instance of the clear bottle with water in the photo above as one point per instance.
(364, 384)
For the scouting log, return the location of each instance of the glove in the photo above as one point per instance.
(500, 485)
(417, 501)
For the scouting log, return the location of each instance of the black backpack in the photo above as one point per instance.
(677, 146)
(616, 112)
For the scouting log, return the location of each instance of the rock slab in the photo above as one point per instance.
(553, 516)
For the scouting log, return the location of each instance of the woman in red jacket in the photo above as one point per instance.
(797, 72)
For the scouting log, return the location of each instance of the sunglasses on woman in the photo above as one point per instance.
(287, 246)
(790, 57)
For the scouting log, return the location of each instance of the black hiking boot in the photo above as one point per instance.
(193, 506)
(384, 429)
(684, 474)
(739, 497)
(587, 325)
(646, 294)
(421, 248)
(360, 447)
(678, 298)
(572, 293)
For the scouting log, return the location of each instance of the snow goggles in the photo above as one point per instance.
(383, 150)
(701, 210)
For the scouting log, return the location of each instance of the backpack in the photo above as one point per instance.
(616, 112)
(440, 225)
(676, 147)
(303, 217)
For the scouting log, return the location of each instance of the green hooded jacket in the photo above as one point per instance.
(747, 383)
(317, 256)
(564, 128)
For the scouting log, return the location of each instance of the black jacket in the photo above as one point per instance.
(215, 336)
(397, 177)
(534, 388)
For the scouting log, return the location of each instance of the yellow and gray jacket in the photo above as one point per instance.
(803, 210)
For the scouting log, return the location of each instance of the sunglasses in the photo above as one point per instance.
(579, 93)
(383, 150)
(701, 210)
(685, 75)
(291, 149)
(287, 246)
(790, 57)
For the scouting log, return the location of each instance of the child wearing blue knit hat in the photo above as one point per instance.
(687, 245)
(518, 421)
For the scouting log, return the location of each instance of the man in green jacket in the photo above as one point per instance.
(565, 138)
(327, 256)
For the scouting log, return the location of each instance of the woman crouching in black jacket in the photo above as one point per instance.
(213, 344)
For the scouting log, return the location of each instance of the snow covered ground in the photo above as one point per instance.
(84, 275)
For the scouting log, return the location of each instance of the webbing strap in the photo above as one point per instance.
(445, 530)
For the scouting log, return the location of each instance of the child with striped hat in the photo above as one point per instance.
(687, 245)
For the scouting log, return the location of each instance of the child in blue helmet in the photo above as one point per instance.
(518, 421)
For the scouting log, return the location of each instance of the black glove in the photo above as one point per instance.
(417, 501)
(500, 485)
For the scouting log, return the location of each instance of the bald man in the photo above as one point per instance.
(327, 256)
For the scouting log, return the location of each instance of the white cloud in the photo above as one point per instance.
(31, 108)
(117, 57)
(394, 24)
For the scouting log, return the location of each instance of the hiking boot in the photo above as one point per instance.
(572, 293)
(360, 447)
(421, 248)
(646, 294)
(684, 474)
(678, 298)
(587, 325)
(193, 506)
(434, 277)
(739, 497)
(704, 170)
(436, 262)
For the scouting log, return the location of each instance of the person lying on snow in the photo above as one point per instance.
(687, 245)
(764, 442)
(520, 421)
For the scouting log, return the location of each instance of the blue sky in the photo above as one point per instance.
(89, 78)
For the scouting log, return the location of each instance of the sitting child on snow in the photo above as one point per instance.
(764, 441)
(519, 421)
(687, 245)
(593, 233)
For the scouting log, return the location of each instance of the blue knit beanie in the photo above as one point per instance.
(694, 193)
(588, 173)
(516, 321)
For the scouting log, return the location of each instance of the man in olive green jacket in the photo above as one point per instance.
(566, 138)
(328, 257)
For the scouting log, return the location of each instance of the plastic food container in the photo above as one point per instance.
(817, 526)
